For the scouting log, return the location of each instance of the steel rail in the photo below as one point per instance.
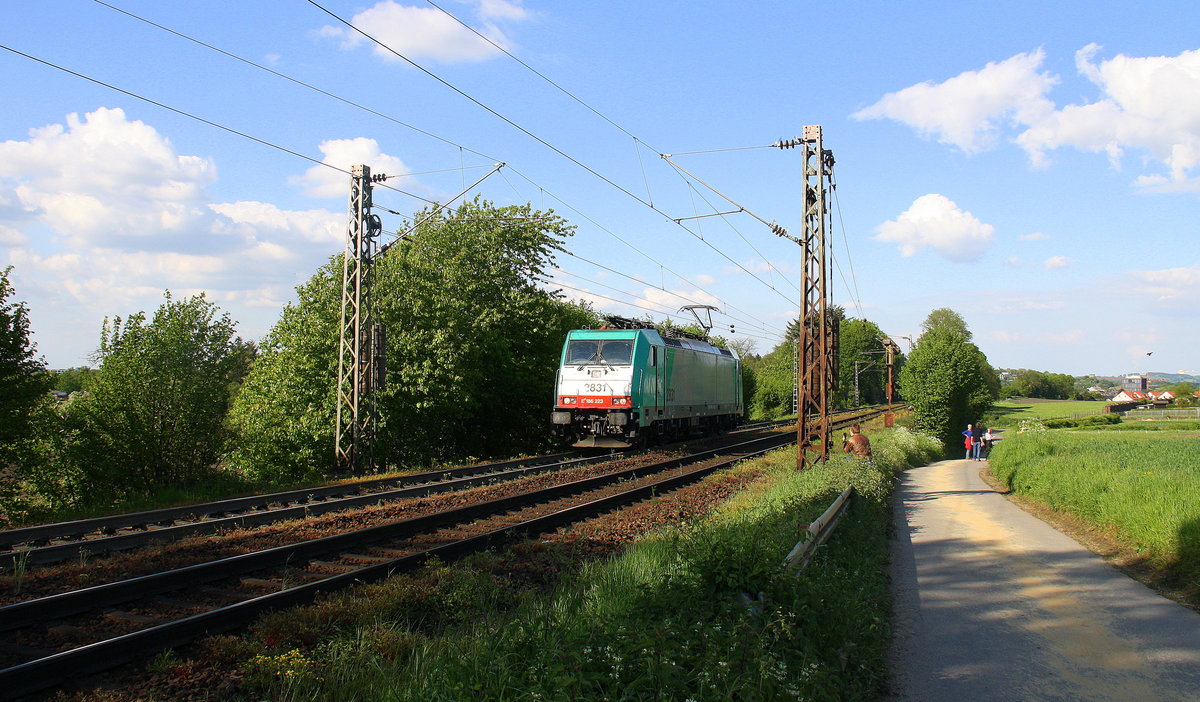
(98, 535)
(51, 670)
(209, 517)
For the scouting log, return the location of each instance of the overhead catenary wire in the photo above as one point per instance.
(462, 148)
(291, 79)
(770, 266)
(774, 227)
(202, 120)
(621, 239)
(561, 284)
(739, 320)
(849, 260)
(533, 136)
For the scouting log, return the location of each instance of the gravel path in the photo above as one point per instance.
(993, 604)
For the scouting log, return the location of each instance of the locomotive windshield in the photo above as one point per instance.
(611, 352)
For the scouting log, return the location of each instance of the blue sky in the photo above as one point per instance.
(1034, 166)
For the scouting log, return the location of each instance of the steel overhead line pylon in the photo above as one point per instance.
(892, 349)
(816, 381)
(360, 343)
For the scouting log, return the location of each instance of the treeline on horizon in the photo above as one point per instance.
(180, 408)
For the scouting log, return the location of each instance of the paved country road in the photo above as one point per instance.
(994, 604)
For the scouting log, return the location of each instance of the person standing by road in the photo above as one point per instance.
(988, 440)
(969, 441)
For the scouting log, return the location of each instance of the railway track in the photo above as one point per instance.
(85, 538)
(54, 638)
(51, 543)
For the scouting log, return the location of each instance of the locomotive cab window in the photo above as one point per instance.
(581, 352)
(616, 353)
(612, 353)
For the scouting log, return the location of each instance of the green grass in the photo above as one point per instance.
(663, 621)
(1143, 486)
(1009, 413)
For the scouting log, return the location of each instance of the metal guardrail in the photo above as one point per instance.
(818, 532)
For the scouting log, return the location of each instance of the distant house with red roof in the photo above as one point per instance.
(1132, 396)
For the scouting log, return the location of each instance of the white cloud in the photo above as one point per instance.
(10, 237)
(1149, 103)
(502, 9)
(321, 181)
(1056, 262)
(1181, 285)
(99, 215)
(104, 180)
(318, 226)
(1012, 261)
(677, 298)
(427, 33)
(1035, 236)
(936, 222)
(966, 110)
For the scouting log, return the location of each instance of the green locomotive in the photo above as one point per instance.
(629, 387)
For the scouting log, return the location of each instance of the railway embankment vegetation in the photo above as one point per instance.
(179, 408)
(1133, 482)
(666, 618)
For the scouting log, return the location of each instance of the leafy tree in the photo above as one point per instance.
(23, 380)
(155, 408)
(946, 318)
(861, 341)
(774, 381)
(948, 382)
(71, 379)
(834, 313)
(1183, 393)
(472, 346)
(282, 418)
(1049, 386)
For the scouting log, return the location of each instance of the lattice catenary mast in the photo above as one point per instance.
(816, 346)
(361, 367)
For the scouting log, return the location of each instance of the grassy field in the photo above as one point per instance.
(1009, 413)
(1142, 486)
(664, 620)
